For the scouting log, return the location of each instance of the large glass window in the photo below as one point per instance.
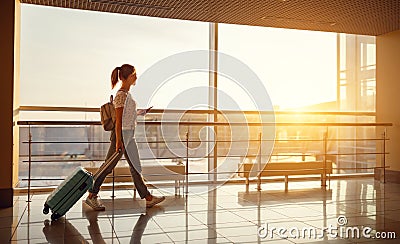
(357, 69)
(298, 68)
(67, 56)
(357, 93)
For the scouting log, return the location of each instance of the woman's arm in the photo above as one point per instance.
(118, 127)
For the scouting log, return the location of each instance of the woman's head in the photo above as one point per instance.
(126, 73)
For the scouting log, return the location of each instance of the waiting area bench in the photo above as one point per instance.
(288, 168)
(172, 172)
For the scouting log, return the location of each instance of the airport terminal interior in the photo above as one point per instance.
(273, 121)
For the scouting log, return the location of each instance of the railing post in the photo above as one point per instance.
(30, 162)
(187, 162)
(113, 184)
(323, 180)
(259, 170)
(384, 155)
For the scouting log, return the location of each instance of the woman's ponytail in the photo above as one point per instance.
(121, 73)
(114, 77)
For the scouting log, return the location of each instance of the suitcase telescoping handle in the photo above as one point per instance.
(115, 156)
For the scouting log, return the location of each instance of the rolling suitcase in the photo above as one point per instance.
(72, 189)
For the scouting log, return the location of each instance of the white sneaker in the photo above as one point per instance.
(95, 203)
(155, 200)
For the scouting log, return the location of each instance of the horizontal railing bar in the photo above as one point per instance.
(216, 173)
(192, 141)
(188, 123)
(199, 141)
(319, 154)
(275, 140)
(37, 179)
(90, 160)
(58, 123)
(360, 168)
(321, 140)
(192, 157)
(349, 154)
(299, 155)
(51, 155)
(274, 170)
(62, 160)
(203, 111)
(367, 139)
(57, 109)
(95, 160)
(256, 171)
(68, 142)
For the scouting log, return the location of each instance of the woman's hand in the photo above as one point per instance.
(143, 112)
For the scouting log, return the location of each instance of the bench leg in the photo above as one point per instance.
(286, 183)
(180, 187)
(329, 180)
(323, 180)
(176, 187)
(247, 184)
(134, 193)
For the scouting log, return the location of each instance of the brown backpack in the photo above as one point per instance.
(107, 113)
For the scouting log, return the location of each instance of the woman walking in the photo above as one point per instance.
(122, 138)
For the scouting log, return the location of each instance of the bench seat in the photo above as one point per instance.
(172, 172)
(288, 168)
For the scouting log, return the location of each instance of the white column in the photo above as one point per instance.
(388, 97)
(9, 78)
(212, 99)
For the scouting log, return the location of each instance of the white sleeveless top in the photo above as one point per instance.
(124, 100)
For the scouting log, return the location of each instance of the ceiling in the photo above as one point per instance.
(364, 17)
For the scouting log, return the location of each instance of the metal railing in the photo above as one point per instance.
(256, 148)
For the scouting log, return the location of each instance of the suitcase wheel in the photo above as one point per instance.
(55, 216)
(46, 209)
(46, 223)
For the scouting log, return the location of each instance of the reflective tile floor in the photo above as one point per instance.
(350, 211)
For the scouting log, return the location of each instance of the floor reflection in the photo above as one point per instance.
(138, 229)
(141, 224)
(62, 231)
(227, 214)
